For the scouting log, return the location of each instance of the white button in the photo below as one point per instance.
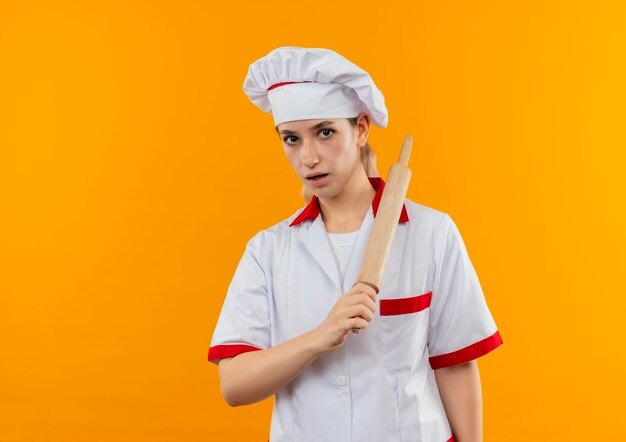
(341, 380)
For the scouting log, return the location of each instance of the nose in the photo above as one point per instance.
(309, 156)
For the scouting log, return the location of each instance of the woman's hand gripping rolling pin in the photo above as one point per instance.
(353, 310)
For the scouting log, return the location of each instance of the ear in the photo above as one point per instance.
(363, 128)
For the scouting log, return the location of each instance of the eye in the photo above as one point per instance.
(330, 132)
(285, 139)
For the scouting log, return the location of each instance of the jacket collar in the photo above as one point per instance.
(312, 210)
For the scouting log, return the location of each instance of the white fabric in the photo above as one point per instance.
(335, 87)
(379, 386)
(342, 245)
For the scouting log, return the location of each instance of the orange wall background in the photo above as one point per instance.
(133, 169)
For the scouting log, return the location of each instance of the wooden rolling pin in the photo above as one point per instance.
(386, 221)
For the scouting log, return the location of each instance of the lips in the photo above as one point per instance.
(317, 175)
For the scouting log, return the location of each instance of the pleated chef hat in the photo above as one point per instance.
(294, 83)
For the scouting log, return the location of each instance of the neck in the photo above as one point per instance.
(345, 211)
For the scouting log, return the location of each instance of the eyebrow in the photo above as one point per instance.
(312, 128)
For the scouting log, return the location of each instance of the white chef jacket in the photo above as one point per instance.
(380, 385)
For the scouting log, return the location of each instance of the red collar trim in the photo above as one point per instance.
(312, 210)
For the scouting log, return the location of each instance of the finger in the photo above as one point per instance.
(367, 302)
(362, 311)
(362, 299)
(369, 291)
(356, 323)
(365, 288)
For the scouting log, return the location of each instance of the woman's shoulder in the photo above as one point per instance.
(277, 230)
(424, 216)
(437, 224)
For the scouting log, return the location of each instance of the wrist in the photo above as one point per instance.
(313, 342)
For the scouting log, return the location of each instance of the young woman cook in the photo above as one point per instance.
(284, 328)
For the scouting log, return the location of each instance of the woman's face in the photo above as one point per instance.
(329, 147)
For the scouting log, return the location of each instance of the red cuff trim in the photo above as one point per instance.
(402, 306)
(228, 351)
(468, 353)
(451, 439)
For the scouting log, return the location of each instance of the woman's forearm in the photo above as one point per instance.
(461, 395)
(253, 376)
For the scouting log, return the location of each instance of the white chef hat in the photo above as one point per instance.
(294, 83)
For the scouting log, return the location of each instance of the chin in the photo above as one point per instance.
(323, 193)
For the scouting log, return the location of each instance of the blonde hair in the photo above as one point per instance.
(368, 158)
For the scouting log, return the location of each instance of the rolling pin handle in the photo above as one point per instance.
(405, 152)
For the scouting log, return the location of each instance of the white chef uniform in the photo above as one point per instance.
(380, 385)
(431, 312)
